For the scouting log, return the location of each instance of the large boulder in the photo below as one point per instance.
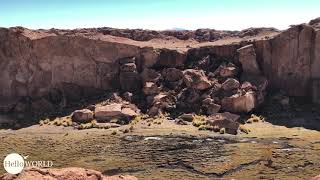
(108, 112)
(162, 102)
(83, 115)
(71, 173)
(128, 112)
(259, 86)
(210, 106)
(196, 79)
(188, 95)
(239, 103)
(259, 82)
(247, 57)
(123, 111)
(225, 120)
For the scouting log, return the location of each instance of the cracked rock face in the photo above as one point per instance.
(63, 174)
(53, 68)
(247, 58)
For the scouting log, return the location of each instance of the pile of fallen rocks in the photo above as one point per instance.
(114, 108)
(232, 88)
(208, 87)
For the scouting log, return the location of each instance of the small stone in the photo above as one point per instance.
(180, 122)
(187, 117)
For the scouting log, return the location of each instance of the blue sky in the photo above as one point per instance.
(157, 14)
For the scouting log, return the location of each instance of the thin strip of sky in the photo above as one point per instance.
(157, 14)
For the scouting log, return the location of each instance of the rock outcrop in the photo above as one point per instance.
(44, 70)
(63, 174)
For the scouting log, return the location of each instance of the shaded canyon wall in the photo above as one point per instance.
(33, 68)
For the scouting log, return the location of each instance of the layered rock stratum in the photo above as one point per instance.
(205, 70)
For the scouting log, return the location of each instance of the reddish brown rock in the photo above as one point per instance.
(259, 82)
(212, 108)
(247, 86)
(247, 57)
(150, 75)
(71, 173)
(162, 102)
(128, 112)
(130, 81)
(196, 79)
(149, 57)
(171, 58)
(172, 74)
(108, 112)
(239, 103)
(188, 95)
(227, 71)
(83, 115)
(230, 84)
(315, 178)
(225, 120)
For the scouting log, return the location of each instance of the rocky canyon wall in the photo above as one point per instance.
(291, 61)
(37, 65)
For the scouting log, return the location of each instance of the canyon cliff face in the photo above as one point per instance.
(80, 63)
(291, 61)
